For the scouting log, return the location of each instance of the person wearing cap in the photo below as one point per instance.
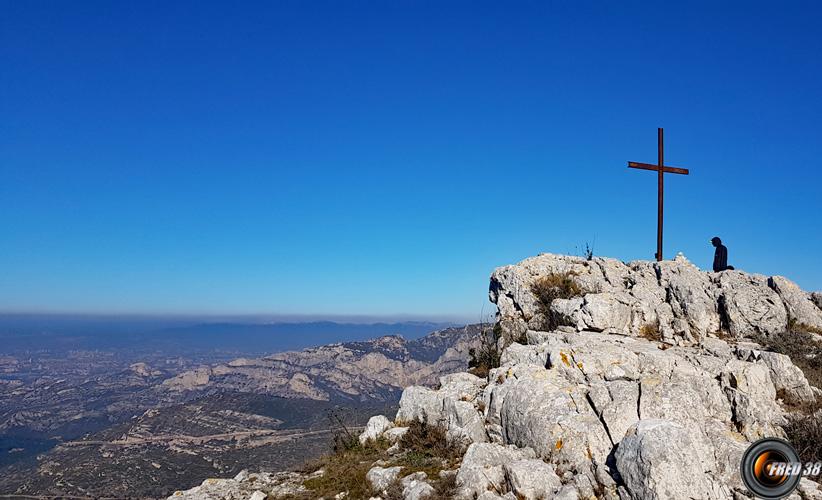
(720, 255)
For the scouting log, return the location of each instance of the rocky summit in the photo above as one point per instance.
(641, 380)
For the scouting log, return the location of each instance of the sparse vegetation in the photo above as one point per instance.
(424, 448)
(445, 488)
(551, 287)
(487, 355)
(345, 468)
(650, 331)
(588, 251)
(393, 492)
(429, 441)
(726, 336)
(804, 427)
(801, 345)
(804, 430)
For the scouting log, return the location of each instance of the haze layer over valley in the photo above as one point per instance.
(152, 412)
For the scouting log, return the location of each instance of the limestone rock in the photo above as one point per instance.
(421, 404)
(788, 379)
(684, 303)
(482, 468)
(465, 423)
(799, 304)
(660, 460)
(247, 485)
(415, 487)
(749, 305)
(439, 407)
(375, 427)
(531, 479)
(381, 478)
(394, 434)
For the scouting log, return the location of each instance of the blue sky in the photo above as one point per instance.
(382, 158)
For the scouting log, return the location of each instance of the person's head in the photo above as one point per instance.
(715, 241)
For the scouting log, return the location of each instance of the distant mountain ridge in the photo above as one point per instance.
(373, 370)
(31, 332)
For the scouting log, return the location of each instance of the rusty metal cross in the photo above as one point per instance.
(661, 170)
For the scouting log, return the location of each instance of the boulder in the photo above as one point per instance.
(421, 404)
(799, 304)
(430, 406)
(394, 434)
(380, 478)
(788, 380)
(482, 468)
(749, 305)
(465, 423)
(553, 417)
(415, 487)
(531, 479)
(660, 460)
(375, 427)
(752, 395)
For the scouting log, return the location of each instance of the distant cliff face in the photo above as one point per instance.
(374, 370)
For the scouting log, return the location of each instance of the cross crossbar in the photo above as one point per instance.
(666, 169)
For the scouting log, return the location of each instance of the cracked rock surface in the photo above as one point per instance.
(684, 302)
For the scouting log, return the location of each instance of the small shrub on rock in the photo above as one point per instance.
(487, 356)
(425, 441)
(551, 287)
(803, 347)
(650, 331)
(804, 431)
(426, 448)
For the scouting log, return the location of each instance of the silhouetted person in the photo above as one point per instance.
(720, 255)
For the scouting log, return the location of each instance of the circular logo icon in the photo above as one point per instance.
(771, 469)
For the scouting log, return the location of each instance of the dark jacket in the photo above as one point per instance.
(720, 258)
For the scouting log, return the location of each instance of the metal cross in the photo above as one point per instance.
(661, 169)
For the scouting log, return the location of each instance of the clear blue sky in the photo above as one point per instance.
(383, 157)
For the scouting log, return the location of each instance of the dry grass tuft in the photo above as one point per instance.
(430, 441)
(801, 345)
(345, 470)
(551, 287)
(804, 431)
(804, 427)
(424, 448)
(487, 356)
(650, 331)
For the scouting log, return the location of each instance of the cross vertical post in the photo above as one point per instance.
(661, 170)
(660, 194)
